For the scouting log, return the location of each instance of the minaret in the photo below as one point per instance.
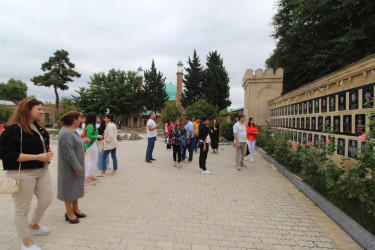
(179, 82)
(140, 74)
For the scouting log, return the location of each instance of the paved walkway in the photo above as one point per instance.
(157, 206)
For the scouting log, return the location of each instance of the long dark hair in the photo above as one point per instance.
(249, 124)
(91, 119)
(102, 126)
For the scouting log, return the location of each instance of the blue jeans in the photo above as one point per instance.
(105, 156)
(150, 148)
(190, 148)
(100, 156)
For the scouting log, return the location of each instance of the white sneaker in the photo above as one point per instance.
(42, 230)
(33, 247)
(186, 160)
(200, 170)
(245, 159)
(206, 172)
(252, 160)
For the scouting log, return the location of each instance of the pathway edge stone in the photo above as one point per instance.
(363, 237)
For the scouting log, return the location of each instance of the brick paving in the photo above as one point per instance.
(157, 206)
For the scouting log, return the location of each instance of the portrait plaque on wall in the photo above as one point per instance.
(313, 123)
(299, 137)
(347, 124)
(292, 110)
(332, 103)
(353, 148)
(367, 95)
(298, 123)
(302, 122)
(310, 107)
(342, 101)
(300, 108)
(288, 109)
(296, 109)
(305, 107)
(316, 106)
(327, 123)
(360, 121)
(320, 123)
(316, 139)
(304, 138)
(309, 137)
(353, 99)
(294, 122)
(324, 104)
(336, 124)
(341, 146)
(308, 123)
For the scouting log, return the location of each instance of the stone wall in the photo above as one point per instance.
(338, 100)
(259, 88)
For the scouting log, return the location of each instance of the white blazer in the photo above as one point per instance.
(110, 137)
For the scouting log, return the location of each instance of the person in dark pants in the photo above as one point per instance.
(151, 137)
(175, 135)
(204, 144)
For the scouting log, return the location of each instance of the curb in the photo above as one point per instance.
(360, 235)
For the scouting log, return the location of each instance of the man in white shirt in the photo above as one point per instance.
(239, 132)
(151, 135)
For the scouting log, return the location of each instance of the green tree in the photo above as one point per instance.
(59, 71)
(317, 38)
(154, 87)
(200, 109)
(13, 90)
(216, 84)
(171, 112)
(193, 81)
(5, 113)
(118, 91)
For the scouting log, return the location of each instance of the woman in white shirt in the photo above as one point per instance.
(110, 144)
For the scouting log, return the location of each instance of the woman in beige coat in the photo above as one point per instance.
(110, 144)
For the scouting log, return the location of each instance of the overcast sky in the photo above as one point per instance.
(100, 35)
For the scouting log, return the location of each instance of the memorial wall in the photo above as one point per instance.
(338, 102)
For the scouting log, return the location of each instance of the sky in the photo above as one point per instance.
(101, 35)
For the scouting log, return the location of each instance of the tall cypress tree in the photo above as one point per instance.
(216, 83)
(154, 86)
(193, 81)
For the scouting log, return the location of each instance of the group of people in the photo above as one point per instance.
(26, 154)
(184, 135)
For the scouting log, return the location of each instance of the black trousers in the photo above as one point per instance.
(176, 150)
(203, 155)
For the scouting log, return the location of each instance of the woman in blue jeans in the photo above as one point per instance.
(110, 144)
(100, 125)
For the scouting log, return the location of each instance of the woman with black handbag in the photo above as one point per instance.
(25, 152)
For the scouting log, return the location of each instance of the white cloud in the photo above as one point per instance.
(100, 35)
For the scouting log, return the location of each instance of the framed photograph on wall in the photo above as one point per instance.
(299, 137)
(308, 123)
(367, 95)
(294, 122)
(313, 123)
(337, 124)
(352, 149)
(341, 146)
(332, 103)
(316, 139)
(316, 106)
(342, 101)
(304, 138)
(300, 107)
(353, 99)
(309, 137)
(310, 107)
(295, 136)
(305, 107)
(324, 104)
(292, 109)
(347, 124)
(327, 123)
(302, 122)
(360, 121)
(298, 127)
(320, 123)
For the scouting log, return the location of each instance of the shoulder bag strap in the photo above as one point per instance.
(19, 167)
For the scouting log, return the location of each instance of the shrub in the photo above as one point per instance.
(226, 130)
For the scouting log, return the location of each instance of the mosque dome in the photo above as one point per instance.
(171, 91)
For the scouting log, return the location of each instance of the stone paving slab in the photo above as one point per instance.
(157, 206)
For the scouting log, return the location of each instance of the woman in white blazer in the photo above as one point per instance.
(110, 144)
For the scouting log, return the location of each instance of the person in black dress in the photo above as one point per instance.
(215, 137)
